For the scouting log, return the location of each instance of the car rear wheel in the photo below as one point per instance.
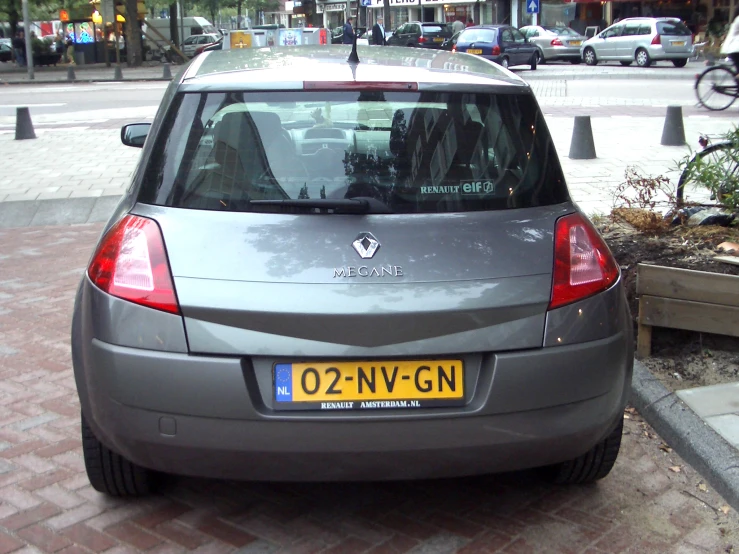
(539, 57)
(595, 464)
(642, 58)
(504, 62)
(589, 56)
(679, 63)
(626, 63)
(111, 473)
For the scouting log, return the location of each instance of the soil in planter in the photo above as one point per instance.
(680, 359)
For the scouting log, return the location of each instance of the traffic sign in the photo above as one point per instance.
(532, 6)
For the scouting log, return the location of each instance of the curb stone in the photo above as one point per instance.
(691, 437)
(67, 211)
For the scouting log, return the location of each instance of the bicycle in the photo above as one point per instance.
(723, 157)
(717, 87)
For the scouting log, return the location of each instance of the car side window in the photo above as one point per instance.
(517, 36)
(615, 31)
(631, 29)
(506, 35)
(416, 30)
(645, 29)
(190, 40)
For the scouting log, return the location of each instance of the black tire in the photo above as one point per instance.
(680, 63)
(111, 473)
(575, 61)
(642, 58)
(533, 63)
(504, 62)
(595, 464)
(716, 88)
(626, 63)
(589, 56)
(539, 56)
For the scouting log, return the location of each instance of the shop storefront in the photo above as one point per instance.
(333, 13)
(402, 11)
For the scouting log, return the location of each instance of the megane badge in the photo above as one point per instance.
(366, 245)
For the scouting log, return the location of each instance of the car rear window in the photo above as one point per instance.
(672, 29)
(478, 35)
(415, 152)
(563, 31)
(434, 28)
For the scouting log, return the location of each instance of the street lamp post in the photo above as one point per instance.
(27, 33)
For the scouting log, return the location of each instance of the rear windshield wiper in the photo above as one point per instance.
(321, 205)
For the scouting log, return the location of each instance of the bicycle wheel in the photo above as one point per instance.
(722, 161)
(716, 88)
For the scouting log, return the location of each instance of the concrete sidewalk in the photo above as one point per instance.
(10, 75)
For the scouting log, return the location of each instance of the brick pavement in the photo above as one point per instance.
(47, 504)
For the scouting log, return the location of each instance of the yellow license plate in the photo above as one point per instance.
(439, 39)
(575, 42)
(679, 43)
(369, 385)
(474, 51)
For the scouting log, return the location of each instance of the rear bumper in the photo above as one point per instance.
(561, 53)
(205, 416)
(657, 52)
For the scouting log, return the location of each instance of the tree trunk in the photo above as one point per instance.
(174, 30)
(238, 14)
(13, 16)
(386, 16)
(133, 35)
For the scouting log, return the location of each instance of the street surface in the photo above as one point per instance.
(651, 503)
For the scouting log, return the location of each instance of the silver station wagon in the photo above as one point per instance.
(643, 40)
(331, 270)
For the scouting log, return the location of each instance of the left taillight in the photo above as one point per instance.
(656, 40)
(583, 264)
(131, 263)
(555, 42)
(421, 39)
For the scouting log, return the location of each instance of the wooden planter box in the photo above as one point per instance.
(685, 299)
(46, 59)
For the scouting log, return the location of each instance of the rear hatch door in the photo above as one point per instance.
(675, 37)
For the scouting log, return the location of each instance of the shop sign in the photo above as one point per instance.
(412, 3)
(320, 8)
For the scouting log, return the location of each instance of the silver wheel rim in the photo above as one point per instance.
(641, 57)
(589, 57)
(504, 62)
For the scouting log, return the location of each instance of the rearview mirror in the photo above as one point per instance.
(134, 134)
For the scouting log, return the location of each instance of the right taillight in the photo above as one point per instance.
(583, 264)
(496, 50)
(131, 263)
(656, 40)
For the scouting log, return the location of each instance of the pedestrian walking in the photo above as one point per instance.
(349, 34)
(70, 49)
(19, 48)
(378, 32)
(730, 46)
(457, 26)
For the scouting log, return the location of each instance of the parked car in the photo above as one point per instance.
(555, 43)
(192, 43)
(258, 306)
(218, 45)
(6, 52)
(641, 39)
(502, 44)
(451, 42)
(420, 35)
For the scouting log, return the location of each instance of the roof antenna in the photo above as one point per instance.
(353, 57)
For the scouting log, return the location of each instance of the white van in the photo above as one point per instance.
(186, 27)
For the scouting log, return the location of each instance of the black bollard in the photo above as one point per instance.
(23, 124)
(582, 146)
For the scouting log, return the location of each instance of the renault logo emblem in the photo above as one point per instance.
(366, 245)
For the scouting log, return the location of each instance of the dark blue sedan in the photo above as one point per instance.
(502, 44)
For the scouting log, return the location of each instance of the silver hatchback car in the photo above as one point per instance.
(641, 39)
(330, 270)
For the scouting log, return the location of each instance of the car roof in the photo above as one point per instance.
(265, 68)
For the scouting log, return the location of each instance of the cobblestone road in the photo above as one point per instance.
(48, 506)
